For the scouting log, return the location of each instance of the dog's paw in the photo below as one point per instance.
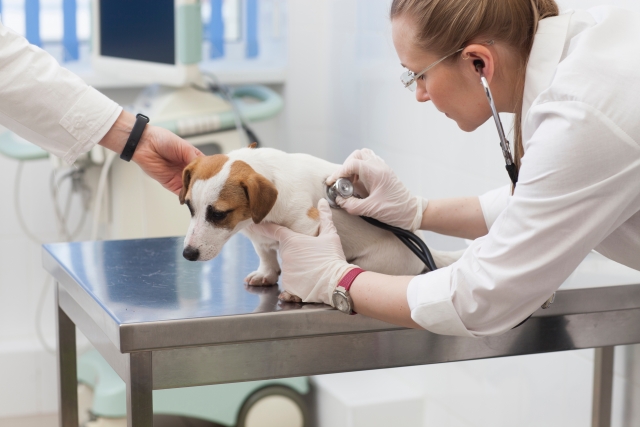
(287, 297)
(260, 278)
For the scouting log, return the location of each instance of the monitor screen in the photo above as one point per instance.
(140, 29)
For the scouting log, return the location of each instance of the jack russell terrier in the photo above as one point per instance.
(226, 193)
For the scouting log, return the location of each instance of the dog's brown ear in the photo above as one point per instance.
(186, 181)
(262, 196)
(253, 145)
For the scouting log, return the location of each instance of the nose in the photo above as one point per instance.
(191, 253)
(421, 94)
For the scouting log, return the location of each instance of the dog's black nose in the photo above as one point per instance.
(191, 253)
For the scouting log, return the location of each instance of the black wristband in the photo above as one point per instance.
(134, 137)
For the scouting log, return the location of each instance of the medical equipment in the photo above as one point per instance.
(344, 188)
(504, 143)
(148, 41)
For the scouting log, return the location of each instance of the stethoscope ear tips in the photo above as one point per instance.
(479, 64)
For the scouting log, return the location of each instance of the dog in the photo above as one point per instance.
(227, 192)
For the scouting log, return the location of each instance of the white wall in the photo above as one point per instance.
(343, 93)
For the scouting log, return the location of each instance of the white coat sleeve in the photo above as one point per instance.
(578, 182)
(48, 105)
(493, 203)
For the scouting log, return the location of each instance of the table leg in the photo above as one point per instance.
(67, 371)
(140, 390)
(602, 387)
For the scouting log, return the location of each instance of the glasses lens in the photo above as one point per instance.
(408, 80)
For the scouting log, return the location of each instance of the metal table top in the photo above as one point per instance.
(144, 295)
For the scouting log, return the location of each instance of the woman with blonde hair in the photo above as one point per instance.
(572, 80)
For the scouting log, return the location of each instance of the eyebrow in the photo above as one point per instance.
(407, 68)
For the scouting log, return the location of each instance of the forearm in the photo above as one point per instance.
(383, 297)
(458, 217)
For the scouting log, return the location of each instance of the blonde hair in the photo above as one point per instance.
(447, 25)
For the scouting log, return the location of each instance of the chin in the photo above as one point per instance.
(467, 127)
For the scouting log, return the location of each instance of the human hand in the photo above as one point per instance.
(163, 155)
(388, 200)
(312, 266)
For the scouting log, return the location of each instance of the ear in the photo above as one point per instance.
(186, 181)
(478, 53)
(262, 195)
(253, 145)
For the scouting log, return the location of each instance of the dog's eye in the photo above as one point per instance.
(214, 215)
(190, 208)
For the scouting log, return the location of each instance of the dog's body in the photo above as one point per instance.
(225, 193)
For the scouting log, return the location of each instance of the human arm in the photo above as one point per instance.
(312, 267)
(53, 108)
(382, 297)
(459, 217)
(385, 198)
(577, 185)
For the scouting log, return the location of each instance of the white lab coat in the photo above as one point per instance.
(48, 105)
(579, 183)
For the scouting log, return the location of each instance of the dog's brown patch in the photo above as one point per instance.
(313, 213)
(201, 168)
(246, 194)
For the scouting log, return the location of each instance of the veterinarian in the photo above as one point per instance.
(53, 108)
(573, 82)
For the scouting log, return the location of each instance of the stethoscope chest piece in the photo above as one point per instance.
(342, 187)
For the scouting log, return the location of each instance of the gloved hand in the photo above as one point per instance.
(311, 266)
(388, 200)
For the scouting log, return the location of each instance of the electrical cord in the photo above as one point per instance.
(411, 241)
(101, 193)
(225, 91)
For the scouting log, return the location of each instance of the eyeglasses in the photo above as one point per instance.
(408, 78)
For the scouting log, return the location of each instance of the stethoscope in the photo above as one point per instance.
(343, 187)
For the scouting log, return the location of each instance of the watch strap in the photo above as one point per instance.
(134, 137)
(348, 278)
(347, 281)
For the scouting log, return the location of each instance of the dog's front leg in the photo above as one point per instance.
(269, 269)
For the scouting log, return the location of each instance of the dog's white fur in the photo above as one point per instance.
(299, 180)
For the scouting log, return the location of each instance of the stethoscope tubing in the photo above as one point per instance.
(410, 240)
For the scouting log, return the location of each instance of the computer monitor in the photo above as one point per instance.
(148, 41)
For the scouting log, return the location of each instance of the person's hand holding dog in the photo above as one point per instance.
(312, 266)
(161, 154)
(388, 200)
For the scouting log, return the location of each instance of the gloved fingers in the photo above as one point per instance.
(326, 218)
(271, 231)
(349, 169)
(355, 206)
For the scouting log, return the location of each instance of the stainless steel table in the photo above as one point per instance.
(163, 322)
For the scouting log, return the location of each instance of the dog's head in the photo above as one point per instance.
(224, 196)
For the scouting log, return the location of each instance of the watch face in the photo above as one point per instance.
(341, 303)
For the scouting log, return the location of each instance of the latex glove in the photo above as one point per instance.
(388, 200)
(311, 266)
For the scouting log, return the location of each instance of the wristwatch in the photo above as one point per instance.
(341, 298)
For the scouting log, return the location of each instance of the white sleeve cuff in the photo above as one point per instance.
(429, 298)
(493, 203)
(88, 120)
